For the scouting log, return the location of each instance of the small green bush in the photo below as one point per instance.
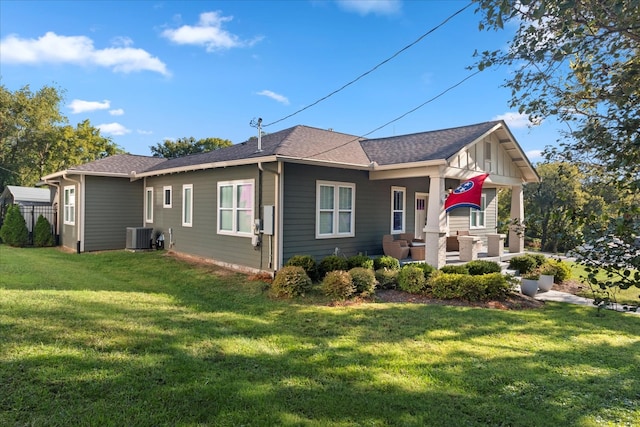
(559, 269)
(411, 279)
(360, 261)
(388, 262)
(540, 259)
(332, 263)
(14, 230)
(42, 235)
(478, 267)
(387, 279)
(427, 269)
(364, 280)
(338, 285)
(454, 269)
(308, 263)
(523, 263)
(290, 281)
(471, 288)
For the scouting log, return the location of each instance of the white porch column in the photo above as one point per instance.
(516, 230)
(436, 228)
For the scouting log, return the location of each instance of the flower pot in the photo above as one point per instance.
(529, 287)
(545, 282)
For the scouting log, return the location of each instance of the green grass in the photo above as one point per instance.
(142, 339)
(622, 296)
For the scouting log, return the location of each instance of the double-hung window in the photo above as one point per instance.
(166, 196)
(236, 207)
(187, 205)
(478, 216)
(148, 204)
(70, 205)
(398, 211)
(335, 209)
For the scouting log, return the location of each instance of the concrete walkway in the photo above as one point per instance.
(558, 296)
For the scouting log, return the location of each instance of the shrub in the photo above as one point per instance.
(290, 281)
(559, 269)
(14, 230)
(387, 279)
(42, 234)
(455, 269)
(360, 261)
(540, 259)
(387, 262)
(332, 263)
(471, 288)
(364, 280)
(523, 263)
(308, 263)
(426, 269)
(478, 267)
(338, 285)
(411, 279)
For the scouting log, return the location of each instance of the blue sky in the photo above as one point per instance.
(145, 71)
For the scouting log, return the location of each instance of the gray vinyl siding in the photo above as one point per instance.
(372, 211)
(202, 239)
(111, 205)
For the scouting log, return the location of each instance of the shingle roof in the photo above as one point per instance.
(119, 164)
(418, 147)
(301, 142)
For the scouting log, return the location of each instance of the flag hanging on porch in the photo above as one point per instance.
(467, 195)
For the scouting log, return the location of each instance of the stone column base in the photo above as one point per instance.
(435, 248)
(495, 244)
(469, 247)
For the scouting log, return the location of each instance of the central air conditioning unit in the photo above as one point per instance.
(139, 237)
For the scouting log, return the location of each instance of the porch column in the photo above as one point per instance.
(436, 229)
(516, 230)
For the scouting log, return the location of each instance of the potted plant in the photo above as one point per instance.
(529, 283)
(547, 273)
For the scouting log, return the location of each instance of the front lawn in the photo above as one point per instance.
(629, 296)
(144, 339)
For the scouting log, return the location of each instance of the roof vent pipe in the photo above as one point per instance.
(259, 134)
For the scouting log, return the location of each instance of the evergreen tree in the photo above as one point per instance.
(14, 230)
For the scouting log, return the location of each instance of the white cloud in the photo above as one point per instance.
(144, 132)
(514, 120)
(79, 106)
(113, 129)
(208, 32)
(365, 7)
(78, 50)
(534, 154)
(116, 112)
(269, 94)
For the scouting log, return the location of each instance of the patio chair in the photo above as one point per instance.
(395, 248)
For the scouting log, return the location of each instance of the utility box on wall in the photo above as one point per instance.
(268, 213)
(139, 237)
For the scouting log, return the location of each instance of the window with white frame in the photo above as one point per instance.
(187, 205)
(166, 196)
(398, 211)
(148, 204)
(335, 209)
(70, 205)
(235, 207)
(478, 216)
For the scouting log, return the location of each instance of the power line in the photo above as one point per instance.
(374, 68)
(402, 115)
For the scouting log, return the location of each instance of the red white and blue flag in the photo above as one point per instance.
(467, 195)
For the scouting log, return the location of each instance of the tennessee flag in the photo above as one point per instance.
(467, 195)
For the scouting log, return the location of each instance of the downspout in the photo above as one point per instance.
(274, 239)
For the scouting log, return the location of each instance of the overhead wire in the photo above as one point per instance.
(374, 68)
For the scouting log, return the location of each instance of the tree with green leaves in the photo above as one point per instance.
(577, 61)
(184, 146)
(36, 139)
